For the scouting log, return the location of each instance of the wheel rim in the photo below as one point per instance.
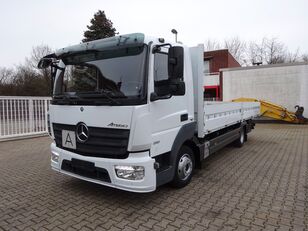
(185, 167)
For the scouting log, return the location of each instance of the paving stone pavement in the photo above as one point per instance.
(261, 186)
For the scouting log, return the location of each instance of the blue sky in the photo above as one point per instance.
(59, 23)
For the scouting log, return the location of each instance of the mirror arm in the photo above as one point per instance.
(57, 67)
(157, 50)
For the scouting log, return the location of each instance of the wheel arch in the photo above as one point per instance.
(196, 150)
(185, 135)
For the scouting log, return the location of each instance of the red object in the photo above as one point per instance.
(212, 92)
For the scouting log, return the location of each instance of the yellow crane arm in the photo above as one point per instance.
(274, 111)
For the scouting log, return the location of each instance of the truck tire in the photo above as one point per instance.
(241, 140)
(185, 164)
(245, 135)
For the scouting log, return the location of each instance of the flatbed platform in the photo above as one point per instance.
(218, 115)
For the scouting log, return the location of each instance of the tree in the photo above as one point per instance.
(26, 79)
(237, 48)
(210, 45)
(6, 75)
(27, 82)
(293, 57)
(6, 78)
(37, 53)
(275, 51)
(305, 57)
(269, 51)
(255, 53)
(101, 27)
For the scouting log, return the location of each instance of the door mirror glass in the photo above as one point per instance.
(177, 87)
(44, 63)
(176, 62)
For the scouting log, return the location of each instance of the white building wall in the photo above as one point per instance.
(286, 85)
(211, 80)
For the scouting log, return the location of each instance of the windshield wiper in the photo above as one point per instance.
(66, 97)
(84, 97)
(107, 95)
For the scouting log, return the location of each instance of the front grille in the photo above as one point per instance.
(102, 142)
(86, 169)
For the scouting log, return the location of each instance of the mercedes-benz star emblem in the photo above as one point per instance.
(82, 132)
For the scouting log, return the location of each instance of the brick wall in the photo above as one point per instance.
(220, 59)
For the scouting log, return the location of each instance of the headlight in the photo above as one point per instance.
(130, 172)
(54, 157)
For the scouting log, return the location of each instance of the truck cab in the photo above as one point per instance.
(124, 112)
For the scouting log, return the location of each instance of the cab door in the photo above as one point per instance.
(169, 112)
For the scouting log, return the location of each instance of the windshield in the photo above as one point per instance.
(110, 75)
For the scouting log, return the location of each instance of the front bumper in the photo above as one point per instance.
(147, 184)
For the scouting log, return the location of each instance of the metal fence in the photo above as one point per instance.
(23, 116)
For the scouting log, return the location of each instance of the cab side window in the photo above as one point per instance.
(161, 74)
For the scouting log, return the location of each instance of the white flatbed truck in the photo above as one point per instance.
(128, 112)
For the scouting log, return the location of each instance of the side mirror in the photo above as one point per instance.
(177, 87)
(176, 62)
(154, 97)
(44, 63)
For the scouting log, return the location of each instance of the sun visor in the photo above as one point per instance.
(129, 40)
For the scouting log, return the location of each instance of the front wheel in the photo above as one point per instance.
(185, 165)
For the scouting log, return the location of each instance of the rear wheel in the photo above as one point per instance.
(240, 141)
(185, 165)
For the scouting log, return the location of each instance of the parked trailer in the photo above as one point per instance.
(128, 112)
